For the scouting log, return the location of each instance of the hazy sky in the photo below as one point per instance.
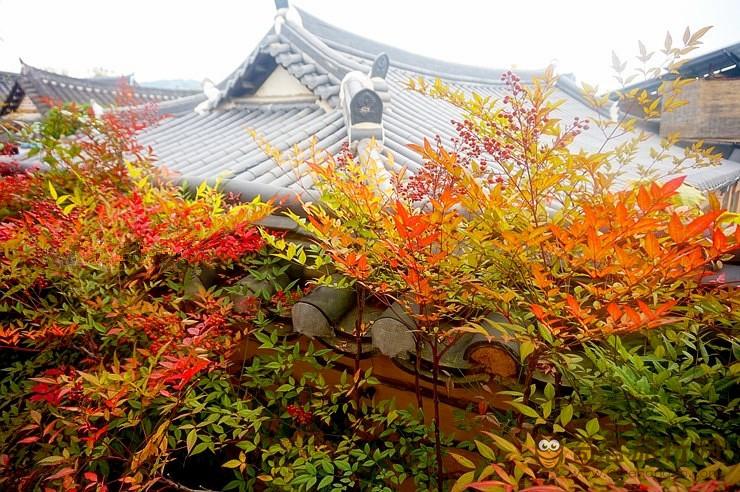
(168, 39)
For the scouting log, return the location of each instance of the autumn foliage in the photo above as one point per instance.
(512, 218)
(125, 367)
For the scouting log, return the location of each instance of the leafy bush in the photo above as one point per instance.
(125, 323)
(123, 367)
(512, 218)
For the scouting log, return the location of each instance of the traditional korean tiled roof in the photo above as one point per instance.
(320, 56)
(724, 62)
(44, 88)
(7, 80)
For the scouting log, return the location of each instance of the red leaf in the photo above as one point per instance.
(488, 484)
(670, 187)
(614, 311)
(538, 311)
(719, 240)
(61, 473)
(636, 320)
(646, 310)
(29, 440)
(543, 488)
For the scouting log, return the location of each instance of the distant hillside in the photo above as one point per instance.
(180, 84)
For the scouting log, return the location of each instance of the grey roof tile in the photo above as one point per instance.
(319, 55)
(7, 81)
(44, 87)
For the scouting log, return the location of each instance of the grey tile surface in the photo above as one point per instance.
(45, 88)
(319, 55)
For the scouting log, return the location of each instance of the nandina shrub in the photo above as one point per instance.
(101, 305)
(513, 218)
(122, 363)
(581, 262)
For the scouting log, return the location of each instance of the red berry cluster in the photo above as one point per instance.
(159, 328)
(8, 148)
(343, 155)
(283, 301)
(430, 181)
(300, 415)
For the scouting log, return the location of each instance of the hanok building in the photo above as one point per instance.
(712, 110)
(7, 81)
(29, 95)
(310, 80)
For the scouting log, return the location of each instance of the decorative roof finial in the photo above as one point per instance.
(380, 66)
(362, 108)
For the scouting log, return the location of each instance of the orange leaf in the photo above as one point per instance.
(651, 245)
(573, 305)
(538, 311)
(643, 199)
(646, 310)
(700, 224)
(636, 320)
(676, 228)
(719, 240)
(614, 311)
(621, 213)
(670, 187)
(665, 307)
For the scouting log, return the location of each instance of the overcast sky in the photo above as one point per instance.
(188, 39)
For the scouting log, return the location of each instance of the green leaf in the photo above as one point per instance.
(327, 480)
(53, 191)
(286, 387)
(327, 467)
(525, 349)
(524, 409)
(463, 460)
(51, 460)
(463, 481)
(247, 446)
(592, 426)
(199, 448)
(190, 441)
(232, 464)
(549, 391)
(503, 444)
(485, 451)
(566, 414)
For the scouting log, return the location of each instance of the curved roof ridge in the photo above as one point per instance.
(108, 83)
(27, 69)
(348, 42)
(334, 60)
